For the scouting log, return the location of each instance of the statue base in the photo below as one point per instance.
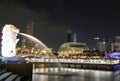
(12, 59)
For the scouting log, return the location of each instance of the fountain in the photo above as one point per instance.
(10, 51)
(37, 44)
(33, 42)
(9, 41)
(9, 60)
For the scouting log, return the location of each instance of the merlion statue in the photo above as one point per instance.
(9, 40)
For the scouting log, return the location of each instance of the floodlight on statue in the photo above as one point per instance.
(9, 40)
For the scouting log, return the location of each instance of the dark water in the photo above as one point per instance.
(74, 75)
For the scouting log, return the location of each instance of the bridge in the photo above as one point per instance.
(101, 64)
(44, 65)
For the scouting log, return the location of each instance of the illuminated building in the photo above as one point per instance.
(114, 55)
(102, 46)
(97, 40)
(117, 39)
(29, 30)
(71, 37)
(116, 47)
(72, 49)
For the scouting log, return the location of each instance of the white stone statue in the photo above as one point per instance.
(9, 40)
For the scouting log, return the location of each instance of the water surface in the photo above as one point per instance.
(75, 75)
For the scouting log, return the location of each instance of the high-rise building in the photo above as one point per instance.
(29, 28)
(117, 39)
(109, 44)
(102, 47)
(116, 45)
(71, 37)
(97, 40)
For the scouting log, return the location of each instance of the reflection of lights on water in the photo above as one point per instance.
(80, 74)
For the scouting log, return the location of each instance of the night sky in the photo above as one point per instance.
(53, 18)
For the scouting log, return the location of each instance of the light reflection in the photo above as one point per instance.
(81, 75)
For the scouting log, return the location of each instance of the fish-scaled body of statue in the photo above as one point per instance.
(9, 40)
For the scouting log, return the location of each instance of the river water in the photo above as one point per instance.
(67, 74)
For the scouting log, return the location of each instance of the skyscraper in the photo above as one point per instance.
(71, 37)
(29, 28)
(97, 40)
(117, 39)
(102, 46)
(116, 45)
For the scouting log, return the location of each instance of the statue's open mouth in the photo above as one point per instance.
(9, 40)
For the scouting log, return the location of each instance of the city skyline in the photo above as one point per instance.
(52, 19)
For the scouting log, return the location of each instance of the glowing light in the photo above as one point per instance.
(114, 55)
(9, 40)
(96, 38)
